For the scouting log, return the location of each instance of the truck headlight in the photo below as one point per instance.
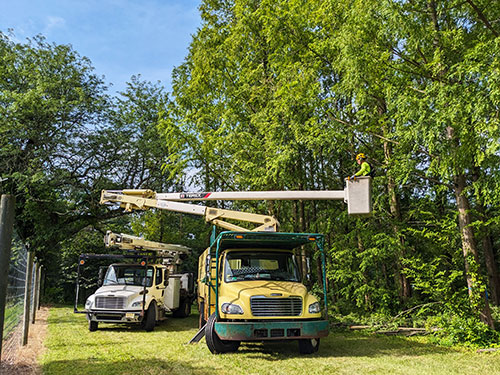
(137, 304)
(88, 304)
(230, 308)
(314, 308)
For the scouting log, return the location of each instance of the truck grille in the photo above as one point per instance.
(265, 306)
(112, 303)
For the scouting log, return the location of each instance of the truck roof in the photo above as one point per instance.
(136, 264)
(264, 240)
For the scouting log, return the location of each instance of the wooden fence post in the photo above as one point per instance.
(36, 290)
(27, 297)
(7, 206)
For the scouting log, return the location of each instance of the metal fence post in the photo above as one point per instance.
(27, 297)
(36, 289)
(7, 205)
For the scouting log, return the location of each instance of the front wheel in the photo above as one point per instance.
(308, 346)
(93, 325)
(149, 321)
(214, 343)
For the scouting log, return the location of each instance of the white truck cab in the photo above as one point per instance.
(133, 293)
(138, 292)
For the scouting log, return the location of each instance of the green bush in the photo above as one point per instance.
(463, 330)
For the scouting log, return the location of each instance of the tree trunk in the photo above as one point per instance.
(368, 297)
(401, 280)
(469, 250)
(488, 251)
(491, 267)
(303, 251)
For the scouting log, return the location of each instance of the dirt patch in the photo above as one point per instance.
(23, 360)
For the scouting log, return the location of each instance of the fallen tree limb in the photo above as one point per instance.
(406, 331)
(487, 350)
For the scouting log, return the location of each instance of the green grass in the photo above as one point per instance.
(115, 349)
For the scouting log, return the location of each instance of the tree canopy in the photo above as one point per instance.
(281, 95)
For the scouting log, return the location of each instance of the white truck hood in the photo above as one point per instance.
(118, 290)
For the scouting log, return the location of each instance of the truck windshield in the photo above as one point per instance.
(128, 275)
(269, 265)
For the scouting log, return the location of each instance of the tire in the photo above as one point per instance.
(149, 321)
(214, 343)
(93, 326)
(202, 321)
(184, 309)
(308, 346)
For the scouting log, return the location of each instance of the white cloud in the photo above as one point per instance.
(54, 22)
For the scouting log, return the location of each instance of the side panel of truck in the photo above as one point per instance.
(206, 292)
(172, 294)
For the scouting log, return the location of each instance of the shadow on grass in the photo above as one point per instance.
(170, 324)
(337, 344)
(95, 366)
(346, 345)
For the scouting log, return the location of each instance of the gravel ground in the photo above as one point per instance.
(23, 360)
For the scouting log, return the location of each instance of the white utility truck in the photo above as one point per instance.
(143, 291)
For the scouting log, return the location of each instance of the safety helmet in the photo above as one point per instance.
(360, 156)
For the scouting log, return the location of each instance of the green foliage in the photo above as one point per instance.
(281, 95)
(63, 140)
(170, 227)
(465, 330)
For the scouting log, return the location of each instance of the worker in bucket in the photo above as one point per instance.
(365, 169)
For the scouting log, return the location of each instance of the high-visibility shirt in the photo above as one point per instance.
(365, 169)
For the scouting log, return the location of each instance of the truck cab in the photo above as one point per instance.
(250, 289)
(134, 293)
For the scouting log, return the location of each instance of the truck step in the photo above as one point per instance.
(199, 335)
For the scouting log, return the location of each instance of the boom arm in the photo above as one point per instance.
(254, 195)
(145, 199)
(128, 242)
(357, 195)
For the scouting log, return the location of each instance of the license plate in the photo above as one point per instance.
(129, 315)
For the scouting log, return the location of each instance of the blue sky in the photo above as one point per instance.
(121, 37)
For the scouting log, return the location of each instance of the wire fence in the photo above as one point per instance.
(15, 299)
(14, 306)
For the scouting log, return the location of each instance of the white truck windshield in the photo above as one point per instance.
(128, 275)
(268, 265)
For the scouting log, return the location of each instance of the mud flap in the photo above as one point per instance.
(199, 335)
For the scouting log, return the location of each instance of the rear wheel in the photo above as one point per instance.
(214, 343)
(308, 346)
(184, 309)
(93, 325)
(149, 321)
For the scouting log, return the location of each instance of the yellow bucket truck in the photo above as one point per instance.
(249, 284)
